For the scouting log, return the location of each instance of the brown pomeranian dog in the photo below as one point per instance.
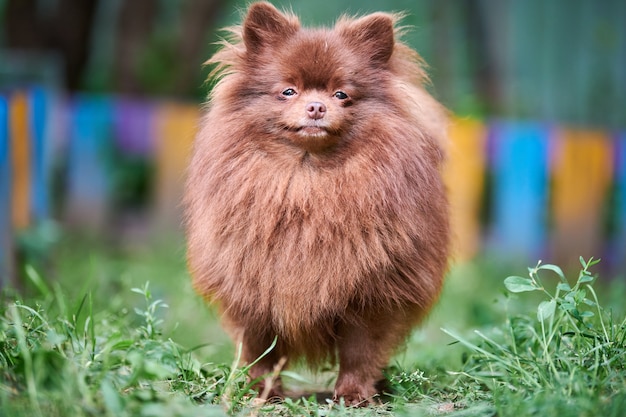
(316, 214)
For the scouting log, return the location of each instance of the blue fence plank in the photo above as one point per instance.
(6, 235)
(519, 162)
(90, 143)
(619, 243)
(39, 164)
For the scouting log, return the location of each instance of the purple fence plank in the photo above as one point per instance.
(519, 153)
(133, 127)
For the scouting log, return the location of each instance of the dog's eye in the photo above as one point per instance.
(340, 95)
(289, 92)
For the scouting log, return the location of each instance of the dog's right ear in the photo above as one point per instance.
(264, 26)
(372, 35)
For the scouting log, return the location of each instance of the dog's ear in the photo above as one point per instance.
(264, 26)
(373, 35)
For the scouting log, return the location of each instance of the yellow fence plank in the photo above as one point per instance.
(465, 171)
(582, 172)
(175, 128)
(19, 133)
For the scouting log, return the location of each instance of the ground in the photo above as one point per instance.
(104, 330)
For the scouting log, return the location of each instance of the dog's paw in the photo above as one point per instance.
(355, 398)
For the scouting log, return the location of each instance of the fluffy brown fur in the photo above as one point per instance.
(316, 212)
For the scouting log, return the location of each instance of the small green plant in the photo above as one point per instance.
(568, 299)
(108, 352)
(407, 385)
(54, 361)
(570, 354)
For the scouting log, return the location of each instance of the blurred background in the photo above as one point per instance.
(99, 101)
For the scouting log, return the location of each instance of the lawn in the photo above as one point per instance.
(109, 331)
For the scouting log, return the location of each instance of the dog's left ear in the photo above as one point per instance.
(373, 35)
(265, 25)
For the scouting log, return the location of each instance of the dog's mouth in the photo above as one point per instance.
(313, 138)
(315, 131)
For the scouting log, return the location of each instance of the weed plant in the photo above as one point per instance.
(61, 361)
(60, 357)
(567, 359)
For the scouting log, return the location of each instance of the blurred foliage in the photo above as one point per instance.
(133, 179)
(560, 60)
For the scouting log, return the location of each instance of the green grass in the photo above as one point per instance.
(119, 332)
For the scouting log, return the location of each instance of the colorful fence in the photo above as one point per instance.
(537, 191)
(518, 189)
